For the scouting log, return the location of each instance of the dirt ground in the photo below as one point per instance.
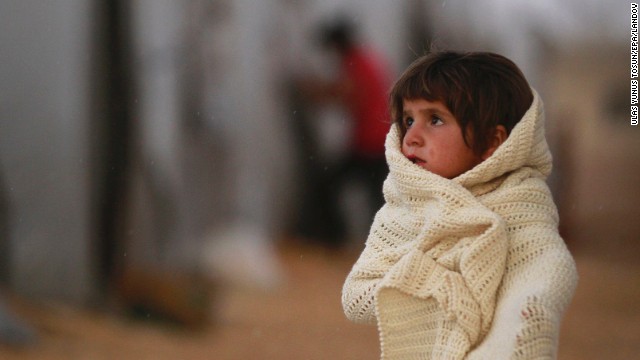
(302, 319)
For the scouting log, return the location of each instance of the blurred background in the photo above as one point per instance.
(161, 170)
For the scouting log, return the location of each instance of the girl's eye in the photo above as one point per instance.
(408, 122)
(436, 121)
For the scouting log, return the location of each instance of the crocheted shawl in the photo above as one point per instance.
(472, 266)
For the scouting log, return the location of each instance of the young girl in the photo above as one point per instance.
(464, 260)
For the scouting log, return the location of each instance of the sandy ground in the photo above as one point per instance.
(302, 319)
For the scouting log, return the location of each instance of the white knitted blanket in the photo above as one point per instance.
(466, 268)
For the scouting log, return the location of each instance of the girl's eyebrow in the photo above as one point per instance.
(429, 110)
(432, 111)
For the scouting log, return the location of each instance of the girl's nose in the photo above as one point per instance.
(412, 137)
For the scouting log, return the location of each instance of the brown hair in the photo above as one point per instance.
(481, 89)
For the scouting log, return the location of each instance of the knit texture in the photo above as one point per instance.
(471, 267)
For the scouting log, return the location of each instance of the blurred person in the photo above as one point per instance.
(361, 87)
(464, 260)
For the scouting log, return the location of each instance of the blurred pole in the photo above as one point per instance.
(419, 30)
(112, 135)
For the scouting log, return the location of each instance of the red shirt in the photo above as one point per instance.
(367, 103)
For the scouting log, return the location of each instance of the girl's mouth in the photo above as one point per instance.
(416, 160)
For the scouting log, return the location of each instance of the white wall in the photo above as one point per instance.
(44, 118)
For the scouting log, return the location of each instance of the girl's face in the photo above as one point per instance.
(433, 139)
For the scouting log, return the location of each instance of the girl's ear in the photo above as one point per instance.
(499, 136)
